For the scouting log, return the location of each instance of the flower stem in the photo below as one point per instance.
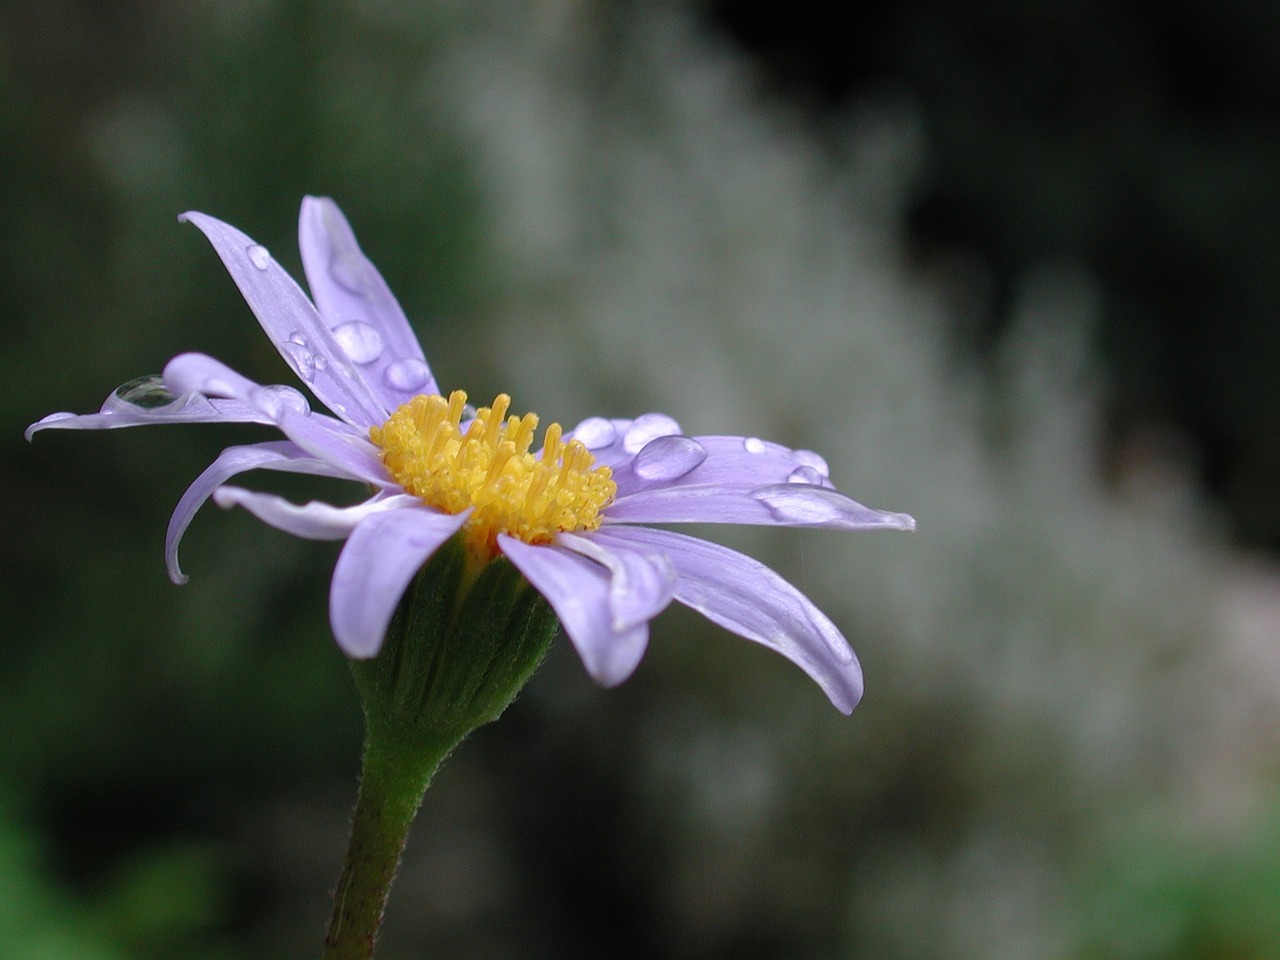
(394, 778)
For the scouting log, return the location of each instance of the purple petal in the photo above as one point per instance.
(578, 591)
(119, 410)
(740, 480)
(745, 596)
(641, 581)
(381, 556)
(314, 520)
(302, 337)
(325, 438)
(274, 455)
(359, 307)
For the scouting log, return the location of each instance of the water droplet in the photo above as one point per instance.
(646, 427)
(753, 445)
(807, 458)
(268, 401)
(259, 255)
(304, 364)
(803, 504)
(291, 398)
(147, 392)
(321, 361)
(299, 338)
(359, 340)
(595, 433)
(348, 269)
(805, 474)
(409, 374)
(668, 458)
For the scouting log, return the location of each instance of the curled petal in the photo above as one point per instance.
(279, 455)
(641, 581)
(746, 597)
(146, 401)
(578, 591)
(325, 438)
(302, 337)
(314, 520)
(357, 304)
(380, 558)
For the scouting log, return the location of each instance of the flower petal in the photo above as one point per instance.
(359, 307)
(745, 596)
(274, 455)
(314, 520)
(381, 556)
(146, 401)
(743, 480)
(325, 438)
(641, 582)
(302, 337)
(578, 591)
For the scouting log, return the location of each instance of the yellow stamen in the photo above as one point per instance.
(490, 470)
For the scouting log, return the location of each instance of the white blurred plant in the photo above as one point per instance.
(1055, 652)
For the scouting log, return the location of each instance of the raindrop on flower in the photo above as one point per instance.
(303, 361)
(805, 474)
(646, 427)
(595, 432)
(299, 338)
(668, 458)
(801, 504)
(807, 458)
(346, 269)
(753, 445)
(259, 256)
(147, 392)
(359, 340)
(409, 374)
(291, 398)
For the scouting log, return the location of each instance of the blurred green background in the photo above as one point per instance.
(1010, 268)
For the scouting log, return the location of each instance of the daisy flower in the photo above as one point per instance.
(571, 516)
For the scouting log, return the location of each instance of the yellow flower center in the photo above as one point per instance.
(489, 469)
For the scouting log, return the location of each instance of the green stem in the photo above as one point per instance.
(396, 773)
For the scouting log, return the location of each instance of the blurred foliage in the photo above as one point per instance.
(1139, 139)
(583, 203)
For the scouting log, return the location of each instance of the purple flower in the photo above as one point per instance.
(569, 516)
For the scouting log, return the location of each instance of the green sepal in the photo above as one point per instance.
(459, 648)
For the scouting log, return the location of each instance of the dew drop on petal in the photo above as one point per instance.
(409, 374)
(807, 458)
(321, 361)
(801, 503)
(291, 398)
(268, 401)
(303, 361)
(753, 445)
(299, 338)
(348, 271)
(258, 255)
(595, 433)
(805, 474)
(148, 392)
(646, 427)
(359, 340)
(668, 458)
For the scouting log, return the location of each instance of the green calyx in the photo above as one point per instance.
(459, 648)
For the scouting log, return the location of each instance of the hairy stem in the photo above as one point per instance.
(394, 778)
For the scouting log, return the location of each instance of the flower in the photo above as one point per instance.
(570, 516)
